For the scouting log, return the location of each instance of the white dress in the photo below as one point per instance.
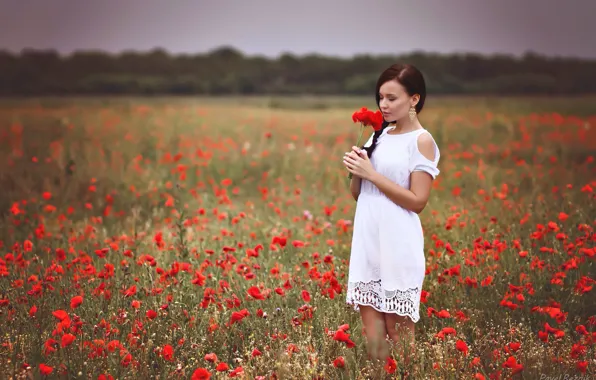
(387, 263)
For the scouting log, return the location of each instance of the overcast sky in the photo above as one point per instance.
(332, 27)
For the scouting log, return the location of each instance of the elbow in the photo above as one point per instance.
(355, 195)
(419, 207)
(416, 210)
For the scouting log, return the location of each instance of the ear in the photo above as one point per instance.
(415, 99)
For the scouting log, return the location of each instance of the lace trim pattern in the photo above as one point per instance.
(402, 302)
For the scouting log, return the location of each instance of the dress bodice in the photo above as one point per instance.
(397, 156)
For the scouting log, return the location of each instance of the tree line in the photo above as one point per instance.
(227, 71)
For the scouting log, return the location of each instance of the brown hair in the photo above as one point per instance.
(412, 80)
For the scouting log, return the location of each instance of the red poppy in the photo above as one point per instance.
(255, 293)
(256, 352)
(237, 316)
(306, 296)
(237, 371)
(168, 352)
(339, 362)
(221, 367)
(582, 366)
(45, 370)
(341, 336)
(211, 357)
(60, 314)
(75, 302)
(461, 346)
(67, 340)
(368, 118)
(390, 365)
(201, 374)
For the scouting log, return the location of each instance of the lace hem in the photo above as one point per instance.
(401, 302)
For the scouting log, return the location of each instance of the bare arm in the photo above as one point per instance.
(355, 184)
(413, 199)
(416, 197)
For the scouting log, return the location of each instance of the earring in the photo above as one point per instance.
(412, 113)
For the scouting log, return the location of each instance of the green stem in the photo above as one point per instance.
(360, 136)
(357, 144)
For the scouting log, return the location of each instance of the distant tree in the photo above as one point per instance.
(226, 70)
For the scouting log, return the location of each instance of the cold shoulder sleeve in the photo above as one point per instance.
(419, 162)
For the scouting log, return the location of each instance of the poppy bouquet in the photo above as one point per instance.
(367, 118)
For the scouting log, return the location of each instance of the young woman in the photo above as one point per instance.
(391, 182)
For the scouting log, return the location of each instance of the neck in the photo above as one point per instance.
(405, 124)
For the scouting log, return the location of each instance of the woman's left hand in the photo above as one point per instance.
(359, 164)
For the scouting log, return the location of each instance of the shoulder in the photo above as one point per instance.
(426, 145)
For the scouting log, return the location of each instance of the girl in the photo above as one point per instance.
(391, 187)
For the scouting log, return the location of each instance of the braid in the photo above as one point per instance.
(370, 149)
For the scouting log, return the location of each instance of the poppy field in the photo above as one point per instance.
(176, 238)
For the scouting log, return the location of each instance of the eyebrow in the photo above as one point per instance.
(391, 93)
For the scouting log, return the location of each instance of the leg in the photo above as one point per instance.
(376, 333)
(401, 333)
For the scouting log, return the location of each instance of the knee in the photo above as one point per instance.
(398, 328)
(392, 331)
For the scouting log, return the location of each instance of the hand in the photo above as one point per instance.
(358, 163)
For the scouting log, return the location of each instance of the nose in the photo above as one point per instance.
(382, 104)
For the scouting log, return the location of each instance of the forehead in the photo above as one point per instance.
(391, 87)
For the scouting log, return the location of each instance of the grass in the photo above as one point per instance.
(171, 217)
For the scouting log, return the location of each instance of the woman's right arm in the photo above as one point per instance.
(355, 183)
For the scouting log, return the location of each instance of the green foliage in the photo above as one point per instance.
(226, 71)
(158, 221)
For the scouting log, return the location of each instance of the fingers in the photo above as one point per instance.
(360, 152)
(357, 150)
(351, 158)
(349, 163)
(352, 155)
